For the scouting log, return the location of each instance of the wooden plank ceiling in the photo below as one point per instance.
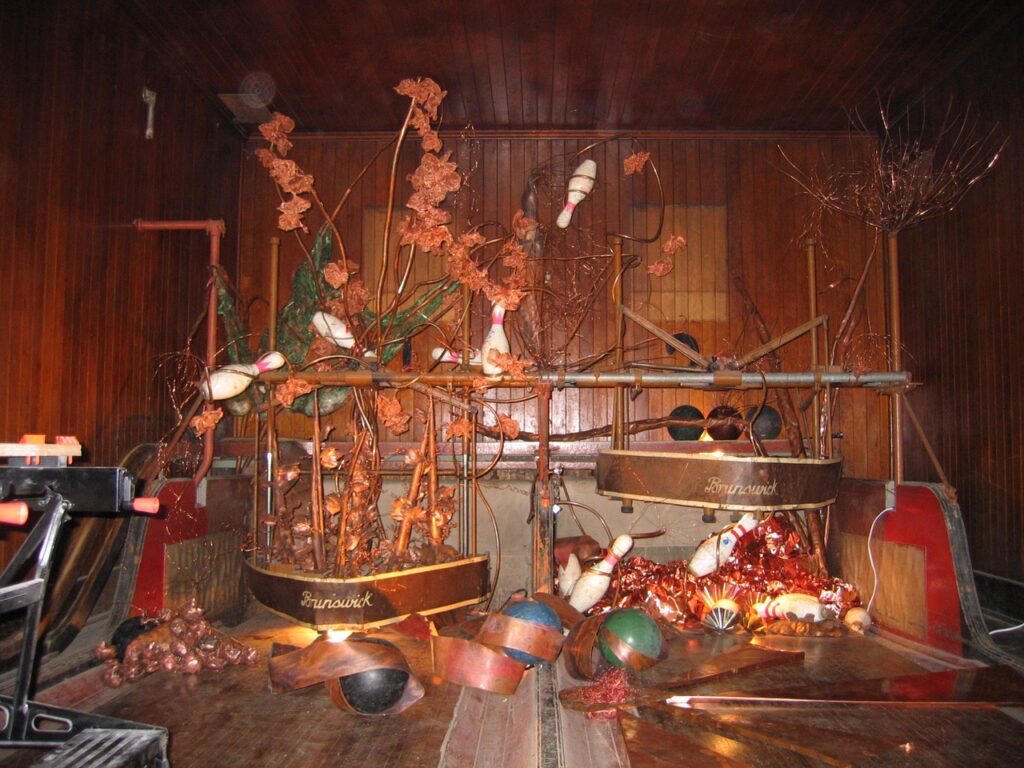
(532, 65)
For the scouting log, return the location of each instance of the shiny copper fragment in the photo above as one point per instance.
(182, 641)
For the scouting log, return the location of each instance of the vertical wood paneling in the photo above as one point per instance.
(91, 306)
(726, 195)
(961, 280)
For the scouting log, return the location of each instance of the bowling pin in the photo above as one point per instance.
(593, 583)
(443, 355)
(496, 340)
(715, 550)
(794, 606)
(568, 576)
(232, 380)
(580, 184)
(336, 331)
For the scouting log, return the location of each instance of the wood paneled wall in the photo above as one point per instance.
(961, 282)
(91, 306)
(726, 194)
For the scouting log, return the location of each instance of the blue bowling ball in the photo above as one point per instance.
(538, 613)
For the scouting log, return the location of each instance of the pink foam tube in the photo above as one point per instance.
(13, 513)
(146, 505)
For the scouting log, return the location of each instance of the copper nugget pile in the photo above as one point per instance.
(174, 641)
(768, 562)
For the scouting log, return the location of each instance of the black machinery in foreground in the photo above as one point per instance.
(52, 494)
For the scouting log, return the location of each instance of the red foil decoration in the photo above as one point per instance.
(769, 561)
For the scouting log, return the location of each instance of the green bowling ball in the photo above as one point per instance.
(629, 638)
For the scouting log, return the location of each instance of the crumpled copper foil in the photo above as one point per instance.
(769, 561)
(612, 687)
(182, 641)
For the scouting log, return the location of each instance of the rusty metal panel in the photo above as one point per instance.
(209, 568)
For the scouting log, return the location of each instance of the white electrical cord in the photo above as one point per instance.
(1006, 629)
(871, 556)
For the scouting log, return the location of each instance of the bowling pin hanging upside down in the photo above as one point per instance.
(232, 380)
(495, 341)
(580, 184)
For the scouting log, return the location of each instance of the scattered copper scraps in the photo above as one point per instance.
(674, 245)
(635, 163)
(276, 131)
(508, 426)
(291, 389)
(458, 428)
(334, 275)
(392, 415)
(661, 267)
(206, 421)
(612, 687)
(182, 640)
(481, 384)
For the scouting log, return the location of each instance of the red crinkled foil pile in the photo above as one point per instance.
(769, 561)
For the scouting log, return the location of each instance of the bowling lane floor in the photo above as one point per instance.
(233, 719)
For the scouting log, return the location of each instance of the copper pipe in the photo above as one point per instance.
(619, 438)
(215, 229)
(271, 458)
(597, 380)
(812, 306)
(543, 545)
(895, 356)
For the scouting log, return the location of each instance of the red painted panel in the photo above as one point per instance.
(918, 520)
(180, 520)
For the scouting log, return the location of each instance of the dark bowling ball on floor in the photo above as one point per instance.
(724, 431)
(686, 433)
(374, 690)
(768, 425)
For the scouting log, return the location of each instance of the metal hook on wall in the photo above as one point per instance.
(149, 97)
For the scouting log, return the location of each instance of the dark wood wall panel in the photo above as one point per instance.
(961, 282)
(726, 194)
(91, 306)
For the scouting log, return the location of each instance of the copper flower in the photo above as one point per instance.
(635, 163)
(661, 267)
(391, 414)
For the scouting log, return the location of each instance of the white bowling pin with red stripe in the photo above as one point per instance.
(336, 331)
(232, 380)
(496, 341)
(580, 184)
(444, 355)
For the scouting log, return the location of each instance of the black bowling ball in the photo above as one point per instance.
(724, 431)
(768, 425)
(686, 433)
(375, 690)
(689, 341)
